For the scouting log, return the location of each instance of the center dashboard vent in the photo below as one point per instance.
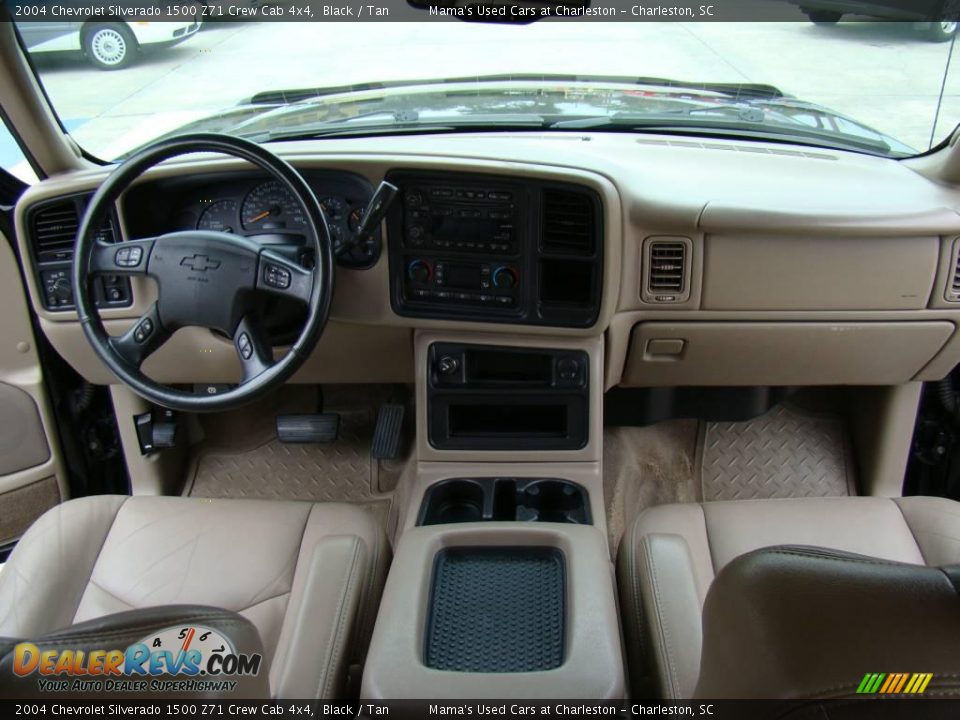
(569, 269)
(667, 270)
(568, 223)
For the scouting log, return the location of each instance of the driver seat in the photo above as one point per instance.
(308, 576)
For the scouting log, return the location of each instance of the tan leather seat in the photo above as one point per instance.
(308, 576)
(670, 556)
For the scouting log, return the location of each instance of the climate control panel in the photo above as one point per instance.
(483, 284)
(494, 248)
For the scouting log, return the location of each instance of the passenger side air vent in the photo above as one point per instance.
(568, 223)
(55, 232)
(666, 270)
(952, 293)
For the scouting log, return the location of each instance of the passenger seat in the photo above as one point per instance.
(669, 559)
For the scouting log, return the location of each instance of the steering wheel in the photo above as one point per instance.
(204, 279)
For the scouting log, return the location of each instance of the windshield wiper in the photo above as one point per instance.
(685, 122)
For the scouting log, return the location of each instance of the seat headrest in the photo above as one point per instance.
(803, 622)
(178, 651)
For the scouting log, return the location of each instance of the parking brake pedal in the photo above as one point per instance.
(304, 429)
(388, 433)
(157, 429)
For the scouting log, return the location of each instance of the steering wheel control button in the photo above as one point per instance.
(128, 257)
(276, 276)
(144, 330)
(245, 346)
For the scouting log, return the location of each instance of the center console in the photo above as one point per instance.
(497, 610)
(492, 248)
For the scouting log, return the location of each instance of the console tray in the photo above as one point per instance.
(496, 610)
(497, 499)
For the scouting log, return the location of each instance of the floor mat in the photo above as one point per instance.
(646, 466)
(785, 453)
(240, 456)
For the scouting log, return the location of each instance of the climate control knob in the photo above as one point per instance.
(505, 277)
(420, 271)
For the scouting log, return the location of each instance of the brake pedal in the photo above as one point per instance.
(388, 434)
(306, 429)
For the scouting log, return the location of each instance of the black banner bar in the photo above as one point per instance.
(497, 11)
(859, 709)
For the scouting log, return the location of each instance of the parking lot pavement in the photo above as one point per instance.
(882, 74)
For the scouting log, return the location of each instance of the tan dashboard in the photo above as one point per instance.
(722, 263)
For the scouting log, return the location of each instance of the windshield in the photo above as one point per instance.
(878, 87)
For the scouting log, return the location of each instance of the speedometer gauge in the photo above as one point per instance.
(220, 216)
(270, 206)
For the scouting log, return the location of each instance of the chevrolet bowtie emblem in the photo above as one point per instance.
(200, 262)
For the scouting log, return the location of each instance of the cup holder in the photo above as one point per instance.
(458, 501)
(552, 501)
(461, 500)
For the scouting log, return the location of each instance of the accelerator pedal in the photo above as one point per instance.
(388, 435)
(308, 429)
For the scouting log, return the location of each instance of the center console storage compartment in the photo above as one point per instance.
(496, 398)
(499, 499)
(496, 610)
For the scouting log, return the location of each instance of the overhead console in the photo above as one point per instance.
(492, 248)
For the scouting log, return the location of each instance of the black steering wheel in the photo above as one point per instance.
(204, 279)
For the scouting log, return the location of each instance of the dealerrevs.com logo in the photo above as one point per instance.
(189, 659)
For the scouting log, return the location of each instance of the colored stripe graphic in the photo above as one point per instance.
(894, 683)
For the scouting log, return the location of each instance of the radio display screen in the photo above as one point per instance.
(462, 277)
(463, 229)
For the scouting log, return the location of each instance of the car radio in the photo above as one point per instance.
(464, 219)
(461, 244)
(494, 248)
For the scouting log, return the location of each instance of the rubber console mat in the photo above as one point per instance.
(496, 610)
(785, 453)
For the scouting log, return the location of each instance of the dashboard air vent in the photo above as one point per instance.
(55, 232)
(568, 223)
(667, 275)
(953, 289)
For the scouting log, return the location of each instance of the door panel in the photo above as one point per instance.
(31, 477)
